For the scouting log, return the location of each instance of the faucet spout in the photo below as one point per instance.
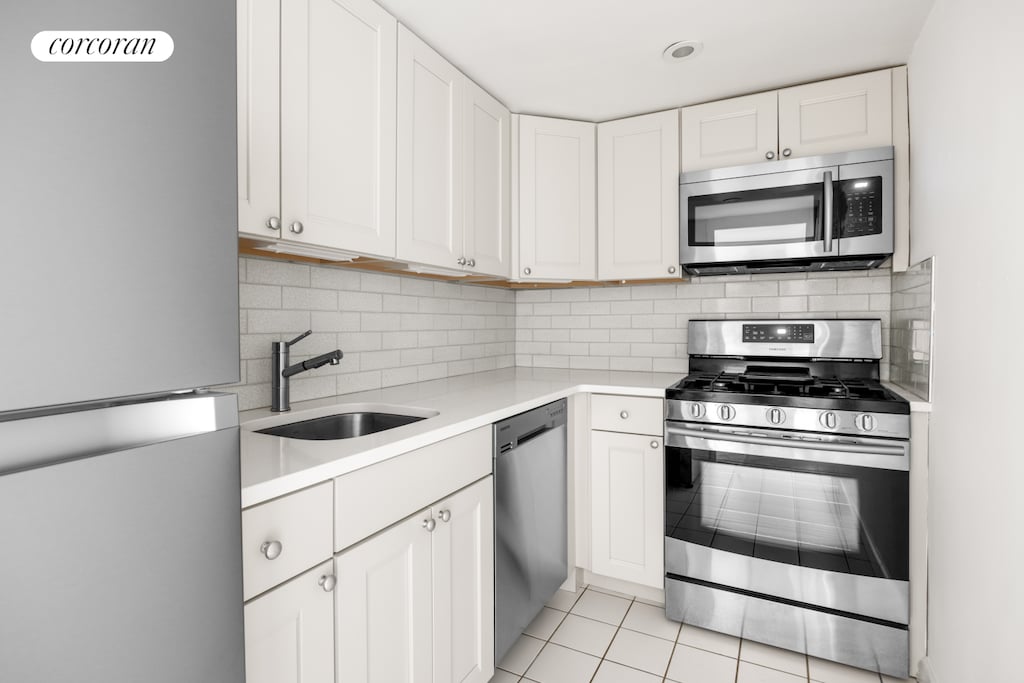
(280, 399)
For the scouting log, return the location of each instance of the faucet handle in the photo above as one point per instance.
(299, 338)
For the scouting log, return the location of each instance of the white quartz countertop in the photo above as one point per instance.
(273, 466)
(917, 404)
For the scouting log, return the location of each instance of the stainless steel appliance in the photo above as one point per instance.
(530, 518)
(787, 490)
(119, 482)
(832, 212)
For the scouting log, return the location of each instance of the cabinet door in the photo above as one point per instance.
(741, 130)
(289, 632)
(463, 561)
(259, 119)
(338, 125)
(835, 116)
(638, 197)
(384, 606)
(486, 217)
(557, 186)
(430, 112)
(627, 507)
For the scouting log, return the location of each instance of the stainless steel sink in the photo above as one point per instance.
(341, 426)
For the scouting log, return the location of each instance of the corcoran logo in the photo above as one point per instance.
(102, 46)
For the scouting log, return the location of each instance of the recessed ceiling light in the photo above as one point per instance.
(684, 49)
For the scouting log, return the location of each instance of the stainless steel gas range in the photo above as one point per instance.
(787, 486)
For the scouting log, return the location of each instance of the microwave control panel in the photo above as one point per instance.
(861, 207)
(779, 332)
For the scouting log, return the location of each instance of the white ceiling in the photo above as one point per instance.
(601, 59)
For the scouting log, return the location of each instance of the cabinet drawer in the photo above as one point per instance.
(377, 496)
(631, 414)
(300, 523)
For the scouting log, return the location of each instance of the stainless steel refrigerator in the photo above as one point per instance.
(120, 554)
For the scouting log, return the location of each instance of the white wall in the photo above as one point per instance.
(967, 148)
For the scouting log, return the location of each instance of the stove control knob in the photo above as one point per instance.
(696, 410)
(865, 422)
(775, 416)
(726, 412)
(828, 420)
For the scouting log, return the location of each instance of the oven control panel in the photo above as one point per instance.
(778, 332)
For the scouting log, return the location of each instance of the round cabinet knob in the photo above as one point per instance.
(697, 410)
(461, 261)
(624, 415)
(829, 420)
(445, 515)
(671, 270)
(296, 227)
(429, 524)
(271, 549)
(327, 582)
(655, 444)
(786, 152)
(274, 223)
(526, 271)
(726, 412)
(471, 263)
(769, 156)
(865, 423)
(776, 416)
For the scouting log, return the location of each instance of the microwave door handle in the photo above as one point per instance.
(827, 217)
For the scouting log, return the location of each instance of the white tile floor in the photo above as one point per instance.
(598, 636)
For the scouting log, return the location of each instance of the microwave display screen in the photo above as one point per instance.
(859, 207)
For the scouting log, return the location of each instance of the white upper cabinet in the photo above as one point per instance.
(317, 119)
(486, 218)
(556, 205)
(733, 132)
(837, 115)
(638, 197)
(430, 111)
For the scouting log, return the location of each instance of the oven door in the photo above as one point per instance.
(814, 520)
(777, 216)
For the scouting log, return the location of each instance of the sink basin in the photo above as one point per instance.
(341, 426)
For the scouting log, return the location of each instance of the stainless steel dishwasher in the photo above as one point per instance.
(530, 518)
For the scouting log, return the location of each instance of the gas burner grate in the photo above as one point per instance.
(816, 387)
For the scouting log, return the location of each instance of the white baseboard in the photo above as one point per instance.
(925, 674)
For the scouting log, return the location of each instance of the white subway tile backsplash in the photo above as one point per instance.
(309, 299)
(258, 296)
(265, 272)
(284, 322)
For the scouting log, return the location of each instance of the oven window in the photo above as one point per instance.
(838, 518)
(779, 215)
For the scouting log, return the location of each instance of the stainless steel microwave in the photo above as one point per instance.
(832, 212)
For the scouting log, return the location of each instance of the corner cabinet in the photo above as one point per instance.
(837, 115)
(316, 123)
(453, 186)
(638, 197)
(556, 185)
(416, 602)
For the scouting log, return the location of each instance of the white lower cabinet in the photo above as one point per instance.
(289, 631)
(415, 603)
(627, 507)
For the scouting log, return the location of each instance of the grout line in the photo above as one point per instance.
(614, 635)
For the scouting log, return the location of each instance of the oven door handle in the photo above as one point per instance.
(881, 456)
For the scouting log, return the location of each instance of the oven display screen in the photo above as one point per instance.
(778, 332)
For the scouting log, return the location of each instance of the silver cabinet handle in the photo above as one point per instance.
(471, 262)
(327, 582)
(296, 227)
(461, 261)
(671, 270)
(827, 210)
(429, 524)
(786, 152)
(654, 444)
(526, 271)
(769, 156)
(445, 515)
(271, 549)
(624, 415)
(274, 223)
